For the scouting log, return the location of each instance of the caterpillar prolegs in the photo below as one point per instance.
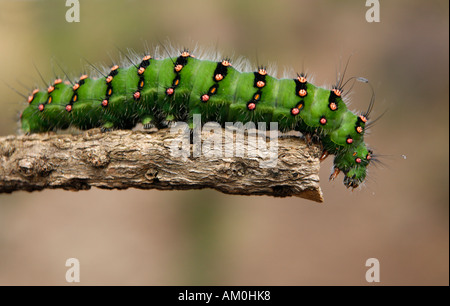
(175, 88)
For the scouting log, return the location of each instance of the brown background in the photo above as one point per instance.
(400, 216)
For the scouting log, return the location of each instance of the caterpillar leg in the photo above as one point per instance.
(334, 174)
(325, 154)
(147, 122)
(148, 126)
(107, 126)
(170, 120)
(308, 139)
(163, 124)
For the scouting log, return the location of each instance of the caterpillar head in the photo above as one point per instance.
(353, 164)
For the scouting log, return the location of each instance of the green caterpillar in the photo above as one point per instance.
(176, 88)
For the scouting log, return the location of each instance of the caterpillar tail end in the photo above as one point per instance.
(334, 175)
(351, 182)
(353, 163)
(351, 179)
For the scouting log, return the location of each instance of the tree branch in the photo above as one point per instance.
(124, 158)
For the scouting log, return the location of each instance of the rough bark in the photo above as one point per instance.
(123, 159)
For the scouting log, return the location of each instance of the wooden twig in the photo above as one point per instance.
(124, 158)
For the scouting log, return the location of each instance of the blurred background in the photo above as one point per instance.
(136, 237)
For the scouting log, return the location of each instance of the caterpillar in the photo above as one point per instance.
(154, 90)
